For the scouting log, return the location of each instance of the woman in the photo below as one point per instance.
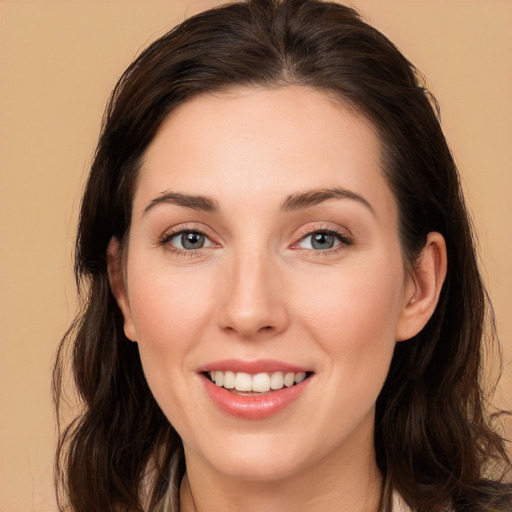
(284, 310)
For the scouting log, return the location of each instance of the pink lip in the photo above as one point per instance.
(251, 367)
(256, 406)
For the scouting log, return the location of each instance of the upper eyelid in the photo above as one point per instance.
(187, 227)
(307, 231)
(168, 235)
(343, 233)
(172, 234)
(344, 239)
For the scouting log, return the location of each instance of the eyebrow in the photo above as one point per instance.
(194, 202)
(297, 201)
(313, 197)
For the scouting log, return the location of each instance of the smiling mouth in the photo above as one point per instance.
(242, 383)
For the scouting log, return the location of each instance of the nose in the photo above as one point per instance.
(254, 299)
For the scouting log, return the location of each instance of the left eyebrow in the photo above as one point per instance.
(185, 200)
(310, 198)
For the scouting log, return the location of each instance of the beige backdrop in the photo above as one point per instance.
(59, 61)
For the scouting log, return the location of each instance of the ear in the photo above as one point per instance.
(423, 287)
(118, 286)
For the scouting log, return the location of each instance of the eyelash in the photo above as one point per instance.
(168, 236)
(343, 239)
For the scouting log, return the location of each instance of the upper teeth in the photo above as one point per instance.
(261, 382)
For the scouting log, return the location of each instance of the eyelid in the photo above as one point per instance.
(174, 231)
(344, 236)
(179, 234)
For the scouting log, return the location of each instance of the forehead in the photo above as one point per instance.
(260, 143)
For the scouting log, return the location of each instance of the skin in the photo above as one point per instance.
(259, 289)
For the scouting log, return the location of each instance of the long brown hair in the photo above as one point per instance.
(433, 439)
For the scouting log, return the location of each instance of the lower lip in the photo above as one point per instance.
(254, 407)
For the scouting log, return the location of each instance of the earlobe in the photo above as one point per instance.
(423, 287)
(118, 286)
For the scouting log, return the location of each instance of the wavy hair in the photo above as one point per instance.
(434, 439)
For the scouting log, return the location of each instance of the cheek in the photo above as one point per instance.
(169, 312)
(353, 315)
(166, 305)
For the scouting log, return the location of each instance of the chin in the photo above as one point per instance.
(266, 469)
(265, 459)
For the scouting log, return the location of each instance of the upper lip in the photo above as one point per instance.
(251, 367)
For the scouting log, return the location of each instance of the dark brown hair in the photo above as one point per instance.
(433, 440)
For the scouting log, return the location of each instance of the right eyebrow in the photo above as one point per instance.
(195, 202)
(313, 197)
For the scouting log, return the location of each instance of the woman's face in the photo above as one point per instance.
(264, 248)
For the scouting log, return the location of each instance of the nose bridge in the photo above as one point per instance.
(253, 301)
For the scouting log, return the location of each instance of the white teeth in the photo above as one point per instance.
(277, 380)
(219, 378)
(229, 380)
(289, 379)
(259, 383)
(299, 377)
(243, 382)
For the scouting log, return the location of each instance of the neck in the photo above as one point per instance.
(341, 481)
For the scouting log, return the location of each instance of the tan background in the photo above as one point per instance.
(58, 63)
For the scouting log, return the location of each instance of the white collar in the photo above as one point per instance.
(399, 504)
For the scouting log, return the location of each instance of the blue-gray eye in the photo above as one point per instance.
(320, 241)
(189, 240)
